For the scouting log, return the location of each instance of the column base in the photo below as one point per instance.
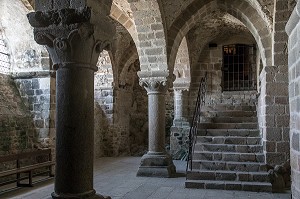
(156, 165)
(89, 195)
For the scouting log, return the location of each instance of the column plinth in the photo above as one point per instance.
(70, 41)
(156, 163)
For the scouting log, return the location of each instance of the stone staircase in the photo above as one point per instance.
(228, 153)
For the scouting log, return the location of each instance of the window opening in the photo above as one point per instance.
(239, 67)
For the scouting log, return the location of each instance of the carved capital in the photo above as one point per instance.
(69, 37)
(154, 81)
(180, 91)
(66, 16)
(154, 85)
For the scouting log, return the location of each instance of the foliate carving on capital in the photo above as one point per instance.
(69, 36)
(154, 84)
(180, 91)
(64, 16)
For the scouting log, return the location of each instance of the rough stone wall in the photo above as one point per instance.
(104, 84)
(28, 65)
(138, 126)
(39, 95)
(104, 108)
(293, 28)
(25, 54)
(17, 131)
(121, 126)
(130, 115)
(102, 144)
(4, 55)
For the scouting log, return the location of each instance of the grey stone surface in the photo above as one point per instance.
(117, 177)
(181, 38)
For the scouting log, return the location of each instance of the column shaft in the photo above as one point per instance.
(178, 104)
(74, 130)
(156, 107)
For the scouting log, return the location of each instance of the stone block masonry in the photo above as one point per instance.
(293, 28)
(38, 92)
(17, 132)
(274, 115)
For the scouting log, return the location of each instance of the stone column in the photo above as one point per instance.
(180, 106)
(69, 38)
(181, 126)
(156, 163)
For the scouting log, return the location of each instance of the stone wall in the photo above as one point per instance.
(121, 123)
(274, 115)
(138, 126)
(104, 106)
(25, 54)
(102, 144)
(17, 132)
(130, 116)
(208, 61)
(293, 28)
(4, 55)
(38, 93)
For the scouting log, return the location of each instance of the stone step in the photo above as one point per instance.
(228, 156)
(229, 148)
(228, 126)
(229, 185)
(218, 113)
(229, 120)
(229, 140)
(227, 107)
(228, 176)
(229, 166)
(229, 132)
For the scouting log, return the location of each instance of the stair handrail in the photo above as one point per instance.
(196, 120)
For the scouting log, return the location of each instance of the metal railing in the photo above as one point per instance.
(196, 120)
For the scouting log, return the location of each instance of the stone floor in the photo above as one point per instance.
(116, 177)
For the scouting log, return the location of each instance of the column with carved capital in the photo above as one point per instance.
(181, 125)
(156, 163)
(70, 41)
(180, 106)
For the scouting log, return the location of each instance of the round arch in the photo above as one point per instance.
(249, 14)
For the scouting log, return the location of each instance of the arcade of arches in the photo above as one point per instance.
(124, 75)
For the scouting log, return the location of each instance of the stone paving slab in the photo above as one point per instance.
(116, 177)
